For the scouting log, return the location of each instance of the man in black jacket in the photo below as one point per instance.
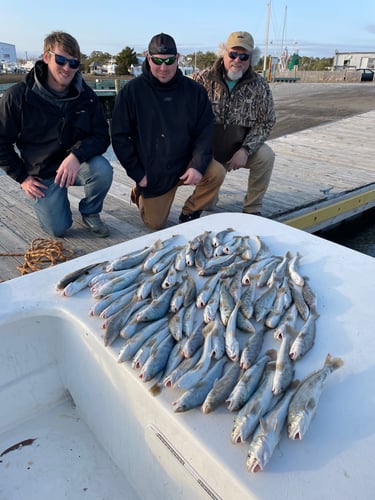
(162, 127)
(59, 127)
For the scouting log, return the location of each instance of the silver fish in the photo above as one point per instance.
(299, 300)
(75, 282)
(266, 271)
(233, 246)
(284, 369)
(226, 303)
(186, 364)
(252, 271)
(157, 359)
(200, 259)
(157, 308)
(119, 283)
(222, 236)
(196, 395)
(143, 353)
(252, 349)
(280, 270)
(309, 296)
(193, 342)
(282, 303)
(212, 306)
(191, 377)
(264, 303)
(83, 271)
(166, 260)
(190, 319)
(101, 304)
(293, 270)
(175, 324)
(305, 338)
(207, 244)
(268, 433)
(180, 260)
(222, 388)
(132, 344)
(121, 301)
(171, 277)
(207, 290)
(129, 260)
(261, 249)
(145, 288)
(235, 286)
(304, 403)
(116, 322)
(288, 322)
(215, 264)
(258, 405)
(159, 250)
(244, 323)
(248, 299)
(248, 382)
(190, 256)
(232, 345)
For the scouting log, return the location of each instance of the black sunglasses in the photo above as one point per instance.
(159, 60)
(62, 60)
(243, 57)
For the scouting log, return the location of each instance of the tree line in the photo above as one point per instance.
(128, 57)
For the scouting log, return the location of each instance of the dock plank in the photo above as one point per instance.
(312, 166)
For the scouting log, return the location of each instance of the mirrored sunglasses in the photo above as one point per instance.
(243, 57)
(159, 60)
(61, 61)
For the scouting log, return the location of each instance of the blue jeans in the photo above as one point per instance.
(53, 211)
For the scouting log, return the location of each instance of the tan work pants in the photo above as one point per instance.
(155, 211)
(260, 166)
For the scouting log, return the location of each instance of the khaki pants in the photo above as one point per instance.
(260, 166)
(155, 211)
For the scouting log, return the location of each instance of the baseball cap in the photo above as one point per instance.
(241, 39)
(162, 44)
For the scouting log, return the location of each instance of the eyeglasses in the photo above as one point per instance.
(62, 60)
(159, 60)
(243, 57)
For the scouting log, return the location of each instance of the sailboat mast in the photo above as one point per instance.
(265, 54)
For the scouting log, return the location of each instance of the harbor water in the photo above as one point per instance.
(357, 233)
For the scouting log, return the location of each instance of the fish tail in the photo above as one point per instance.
(334, 363)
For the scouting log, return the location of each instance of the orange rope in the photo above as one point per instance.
(41, 254)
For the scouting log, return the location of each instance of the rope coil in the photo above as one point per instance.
(41, 254)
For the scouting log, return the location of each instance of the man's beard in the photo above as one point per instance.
(234, 74)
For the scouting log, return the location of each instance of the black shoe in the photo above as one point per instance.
(97, 226)
(187, 217)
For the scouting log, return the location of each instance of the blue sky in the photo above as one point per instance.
(314, 29)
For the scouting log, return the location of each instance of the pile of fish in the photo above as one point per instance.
(197, 316)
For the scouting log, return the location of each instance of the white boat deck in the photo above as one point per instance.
(51, 347)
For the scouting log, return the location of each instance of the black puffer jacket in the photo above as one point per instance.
(46, 129)
(161, 129)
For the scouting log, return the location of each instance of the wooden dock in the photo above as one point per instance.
(321, 175)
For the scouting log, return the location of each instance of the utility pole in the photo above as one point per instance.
(265, 54)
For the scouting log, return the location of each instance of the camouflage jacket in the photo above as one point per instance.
(243, 117)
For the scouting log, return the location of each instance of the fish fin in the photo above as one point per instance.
(335, 363)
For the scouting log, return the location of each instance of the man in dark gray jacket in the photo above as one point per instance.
(60, 131)
(244, 116)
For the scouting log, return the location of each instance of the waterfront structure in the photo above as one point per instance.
(7, 53)
(354, 60)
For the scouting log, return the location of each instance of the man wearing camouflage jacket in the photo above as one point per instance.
(244, 116)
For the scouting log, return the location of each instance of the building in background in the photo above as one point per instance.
(7, 53)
